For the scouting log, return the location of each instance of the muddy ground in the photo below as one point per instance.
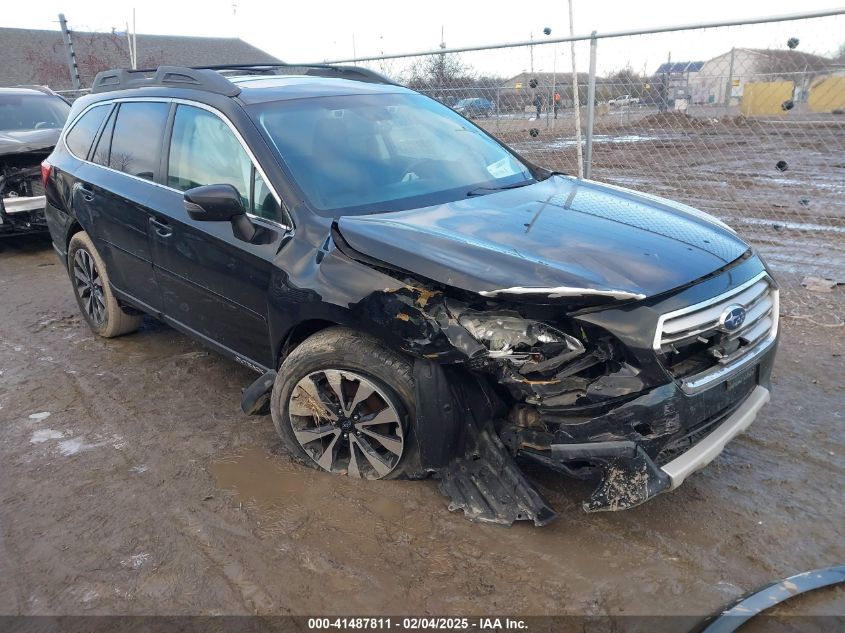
(132, 484)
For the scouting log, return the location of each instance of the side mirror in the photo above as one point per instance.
(214, 203)
(220, 203)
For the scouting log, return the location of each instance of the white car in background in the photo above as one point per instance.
(624, 100)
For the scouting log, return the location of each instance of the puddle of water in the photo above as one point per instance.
(271, 482)
(398, 538)
(256, 475)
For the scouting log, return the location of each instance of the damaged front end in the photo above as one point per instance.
(573, 387)
(22, 199)
(489, 374)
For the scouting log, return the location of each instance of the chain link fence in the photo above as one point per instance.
(753, 132)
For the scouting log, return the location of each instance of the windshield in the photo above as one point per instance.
(369, 153)
(31, 112)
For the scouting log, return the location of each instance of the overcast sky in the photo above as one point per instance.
(327, 29)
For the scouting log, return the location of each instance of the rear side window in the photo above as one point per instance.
(136, 141)
(82, 134)
(101, 151)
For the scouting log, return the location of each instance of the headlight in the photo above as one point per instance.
(504, 333)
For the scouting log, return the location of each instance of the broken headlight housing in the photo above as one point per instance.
(510, 335)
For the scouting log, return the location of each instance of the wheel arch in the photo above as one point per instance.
(297, 334)
(73, 228)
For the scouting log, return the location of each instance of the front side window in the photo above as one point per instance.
(82, 134)
(137, 138)
(204, 151)
(31, 112)
(368, 153)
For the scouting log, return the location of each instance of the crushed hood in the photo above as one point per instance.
(22, 141)
(562, 237)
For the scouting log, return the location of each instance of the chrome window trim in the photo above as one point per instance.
(697, 382)
(196, 104)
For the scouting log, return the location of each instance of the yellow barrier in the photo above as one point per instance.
(827, 94)
(765, 97)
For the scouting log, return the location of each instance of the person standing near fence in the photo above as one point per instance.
(556, 102)
(538, 103)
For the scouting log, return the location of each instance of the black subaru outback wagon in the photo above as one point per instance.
(417, 297)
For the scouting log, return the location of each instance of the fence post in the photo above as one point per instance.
(729, 83)
(591, 108)
(498, 109)
(576, 98)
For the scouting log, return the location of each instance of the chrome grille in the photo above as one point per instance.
(694, 342)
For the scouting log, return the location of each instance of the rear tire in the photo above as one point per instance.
(343, 435)
(91, 287)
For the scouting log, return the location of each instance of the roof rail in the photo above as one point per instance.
(209, 78)
(167, 76)
(354, 73)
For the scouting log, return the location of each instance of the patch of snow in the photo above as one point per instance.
(42, 435)
(89, 595)
(799, 226)
(136, 560)
(43, 415)
(74, 446)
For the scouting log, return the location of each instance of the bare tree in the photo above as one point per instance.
(789, 65)
(443, 70)
(95, 52)
(48, 68)
(625, 81)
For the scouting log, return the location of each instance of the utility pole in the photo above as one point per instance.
(531, 52)
(129, 43)
(71, 56)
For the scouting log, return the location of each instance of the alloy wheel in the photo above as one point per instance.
(346, 424)
(89, 286)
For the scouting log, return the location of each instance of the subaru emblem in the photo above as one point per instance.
(732, 318)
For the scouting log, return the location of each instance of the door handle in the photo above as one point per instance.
(87, 192)
(161, 227)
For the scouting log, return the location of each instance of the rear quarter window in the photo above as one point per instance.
(82, 134)
(137, 138)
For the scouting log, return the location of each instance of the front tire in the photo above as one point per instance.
(344, 403)
(93, 291)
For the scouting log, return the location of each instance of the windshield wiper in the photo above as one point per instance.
(478, 191)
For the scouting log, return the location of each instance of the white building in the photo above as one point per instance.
(730, 71)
